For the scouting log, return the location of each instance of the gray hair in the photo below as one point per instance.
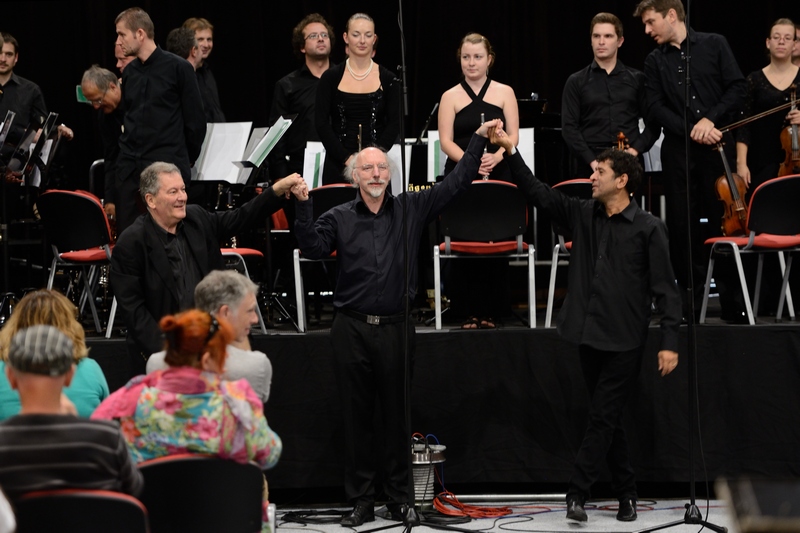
(350, 169)
(99, 76)
(222, 287)
(149, 181)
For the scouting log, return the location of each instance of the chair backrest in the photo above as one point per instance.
(97, 177)
(73, 220)
(775, 207)
(578, 188)
(329, 196)
(488, 210)
(202, 494)
(89, 511)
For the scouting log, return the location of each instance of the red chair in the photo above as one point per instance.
(487, 220)
(325, 198)
(201, 493)
(87, 511)
(77, 228)
(579, 188)
(773, 221)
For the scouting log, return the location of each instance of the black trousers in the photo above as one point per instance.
(610, 377)
(370, 371)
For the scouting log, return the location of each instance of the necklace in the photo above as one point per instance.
(359, 77)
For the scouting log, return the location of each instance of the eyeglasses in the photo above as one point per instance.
(779, 38)
(382, 167)
(99, 101)
(315, 36)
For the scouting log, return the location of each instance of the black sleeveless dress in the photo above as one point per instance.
(469, 119)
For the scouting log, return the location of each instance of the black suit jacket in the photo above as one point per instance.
(141, 276)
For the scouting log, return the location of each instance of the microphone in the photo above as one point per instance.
(427, 123)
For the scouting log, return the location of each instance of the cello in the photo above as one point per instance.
(790, 144)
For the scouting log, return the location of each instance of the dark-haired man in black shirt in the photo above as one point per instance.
(602, 100)
(164, 117)
(718, 92)
(370, 300)
(619, 262)
(296, 93)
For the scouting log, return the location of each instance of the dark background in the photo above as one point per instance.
(538, 44)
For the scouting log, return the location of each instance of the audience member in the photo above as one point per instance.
(232, 296)
(46, 446)
(204, 32)
(47, 307)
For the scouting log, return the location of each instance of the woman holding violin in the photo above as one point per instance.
(759, 150)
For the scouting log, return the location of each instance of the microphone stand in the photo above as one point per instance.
(693, 516)
(427, 123)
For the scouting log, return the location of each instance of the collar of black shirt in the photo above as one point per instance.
(388, 202)
(628, 213)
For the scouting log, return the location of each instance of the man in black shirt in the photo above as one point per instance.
(102, 88)
(204, 32)
(164, 118)
(183, 43)
(619, 262)
(717, 95)
(296, 93)
(602, 100)
(370, 322)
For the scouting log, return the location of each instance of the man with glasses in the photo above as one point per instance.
(369, 326)
(295, 93)
(104, 92)
(717, 96)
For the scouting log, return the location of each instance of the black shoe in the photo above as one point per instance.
(627, 510)
(575, 511)
(361, 513)
(400, 512)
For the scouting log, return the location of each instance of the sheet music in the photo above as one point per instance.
(266, 145)
(313, 164)
(436, 157)
(225, 142)
(252, 142)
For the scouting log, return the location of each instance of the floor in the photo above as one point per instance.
(525, 516)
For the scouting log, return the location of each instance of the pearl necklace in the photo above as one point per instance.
(359, 77)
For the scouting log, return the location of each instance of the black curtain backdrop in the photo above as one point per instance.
(538, 44)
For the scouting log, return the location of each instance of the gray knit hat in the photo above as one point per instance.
(41, 350)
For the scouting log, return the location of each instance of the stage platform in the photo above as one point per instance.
(511, 408)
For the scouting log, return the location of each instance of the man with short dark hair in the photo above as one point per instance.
(104, 92)
(183, 43)
(204, 32)
(164, 118)
(295, 93)
(718, 92)
(619, 261)
(160, 259)
(602, 100)
(46, 446)
(232, 296)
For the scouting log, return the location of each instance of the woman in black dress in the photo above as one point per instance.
(357, 101)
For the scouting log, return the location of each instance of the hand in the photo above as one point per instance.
(744, 172)
(499, 137)
(483, 131)
(65, 132)
(594, 165)
(67, 407)
(488, 162)
(301, 191)
(633, 151)
(793, 117)
(284, 185)
(111, 210)
(704, 132)
(667, 361)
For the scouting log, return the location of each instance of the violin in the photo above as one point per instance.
(622, 142)
(731, 189)
(790, 144)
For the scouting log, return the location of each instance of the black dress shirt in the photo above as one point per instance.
(24, 98)
(184, 267)
(617, 264)
(369, 247)
(295, 94)
(164, 119)
(209, 94)
(718, 86)
(110, 130)
(597, 105)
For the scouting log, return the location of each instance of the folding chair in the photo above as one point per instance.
(773, 222)
(77, 228)
(579, 188)
(201, 494)
(88, 511)
(325, 198)
(487, 220)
